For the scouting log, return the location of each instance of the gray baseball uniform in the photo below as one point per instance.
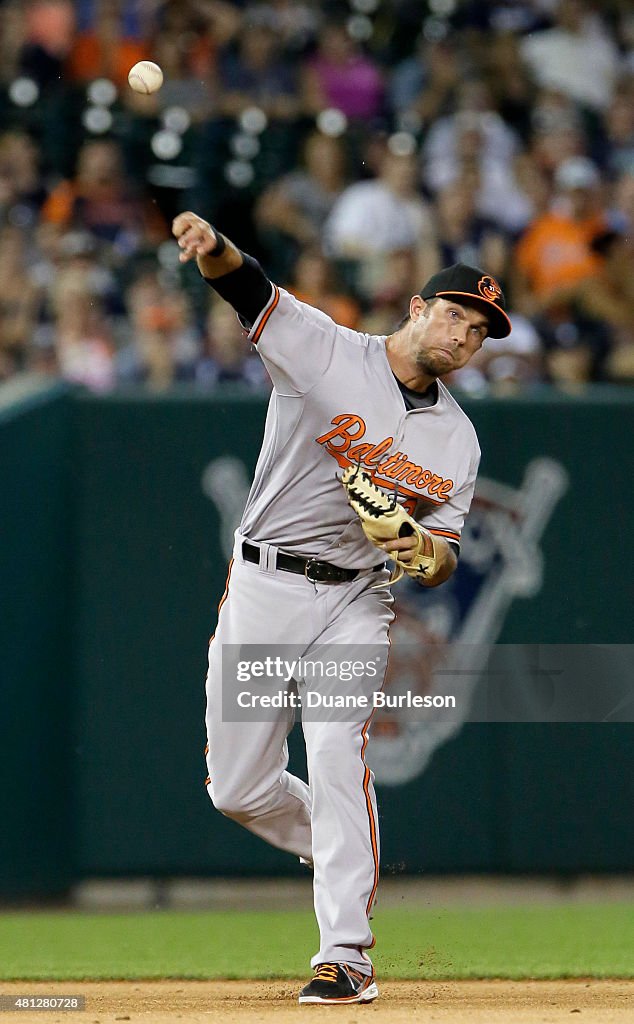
(335, 402)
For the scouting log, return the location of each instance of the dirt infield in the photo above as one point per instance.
(235, 1002)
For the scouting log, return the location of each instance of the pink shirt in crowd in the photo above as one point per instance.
(355, 88)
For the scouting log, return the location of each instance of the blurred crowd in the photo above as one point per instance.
(353, 147)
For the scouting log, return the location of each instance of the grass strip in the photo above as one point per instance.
(512, 942)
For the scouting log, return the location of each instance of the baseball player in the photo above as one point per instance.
(365, 457)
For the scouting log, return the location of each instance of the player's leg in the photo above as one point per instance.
(344, 813)
(247, 754)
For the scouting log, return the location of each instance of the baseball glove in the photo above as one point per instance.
(383, 519)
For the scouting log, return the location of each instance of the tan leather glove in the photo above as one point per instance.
(383, 519)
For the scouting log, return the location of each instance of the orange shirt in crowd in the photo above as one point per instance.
(555, 252)
(106, 207)
(90, 58)
(342, 309)
(58, 208)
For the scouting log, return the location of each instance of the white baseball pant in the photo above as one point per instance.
(332, 821)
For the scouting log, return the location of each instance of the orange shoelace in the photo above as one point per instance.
(326, 972)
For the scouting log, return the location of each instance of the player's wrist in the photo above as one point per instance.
(223, 258)
(221, 243)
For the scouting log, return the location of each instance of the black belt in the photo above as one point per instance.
(313, 570)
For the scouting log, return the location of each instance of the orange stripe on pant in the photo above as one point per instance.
(224, 596)
(370, 810)
(368, 802)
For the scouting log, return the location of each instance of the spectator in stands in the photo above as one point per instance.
(398, 279)
(227, 357)
(49, 27)
(514, 92)
(312, 282)
(556, 255)
(292, 211)
(476, 139)
(18, 299)
(463, 236)
(182, 87)
(380, 215)
(373, 219)
(255, 74)
(164, 346)
(21, 189)
(56, 253)
(424, 86)
(534, 183)
(474, 112)
(106, 48)
(605, 300)
(12, 37)
(83, 340)
(509, 82)
(102, 200)
(200, 30)
(557, 130)
(295, 23)
(576, 56)
(340, 75)
(611, 297)
(556, 249)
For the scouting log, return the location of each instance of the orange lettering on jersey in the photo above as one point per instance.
(344, 424)
(360, 451)
(434, 483)
(348, 427)
(445, 489)
(387, 464)
(377, 450)
(407, 471)
(395, 468)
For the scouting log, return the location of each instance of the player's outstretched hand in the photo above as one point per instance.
(195, 236)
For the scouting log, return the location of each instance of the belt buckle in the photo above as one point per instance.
(309, 562)
(329, 574)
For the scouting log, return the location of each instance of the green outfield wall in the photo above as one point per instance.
(36, 624)
(116, 515)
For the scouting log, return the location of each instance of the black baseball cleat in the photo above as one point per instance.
(339, 983)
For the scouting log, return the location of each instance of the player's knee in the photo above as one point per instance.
(225, 799)
(235, 803)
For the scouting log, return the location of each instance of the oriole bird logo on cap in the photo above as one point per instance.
(489, 288)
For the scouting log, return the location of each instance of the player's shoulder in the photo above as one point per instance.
(297, 309)
(450, 407)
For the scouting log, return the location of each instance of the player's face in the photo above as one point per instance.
(446, 335)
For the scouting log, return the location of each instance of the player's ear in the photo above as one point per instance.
(416, 307)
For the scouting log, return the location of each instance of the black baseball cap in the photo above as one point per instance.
(462, 282)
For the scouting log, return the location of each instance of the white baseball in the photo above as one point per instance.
(145, 77)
